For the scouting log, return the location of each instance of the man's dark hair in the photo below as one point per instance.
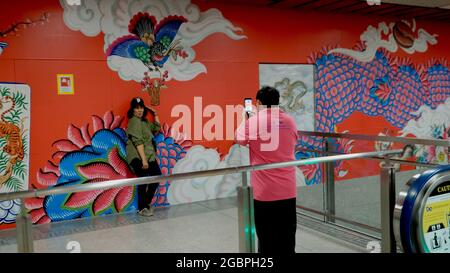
(268, 96)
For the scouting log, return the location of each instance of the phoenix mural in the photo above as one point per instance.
(152, 44)
(150, 41)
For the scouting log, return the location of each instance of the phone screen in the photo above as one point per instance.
(248, 105)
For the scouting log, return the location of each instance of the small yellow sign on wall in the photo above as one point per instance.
(65, 84)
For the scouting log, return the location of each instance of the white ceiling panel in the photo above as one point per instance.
(420, 3)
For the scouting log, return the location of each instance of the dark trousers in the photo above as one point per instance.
(145, 192)
(276, 225)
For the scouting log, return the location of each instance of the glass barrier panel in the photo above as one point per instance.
(310, 186)
(200, 227)
(357, 196)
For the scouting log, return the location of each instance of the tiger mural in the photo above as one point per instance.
(13, 136)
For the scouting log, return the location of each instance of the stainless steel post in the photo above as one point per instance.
(387, 195)
(330, 205)
(24, 230)
(245, 217)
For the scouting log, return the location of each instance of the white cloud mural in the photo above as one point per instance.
(198, 158)
(403, 34)
(430, 124)
(423, 126)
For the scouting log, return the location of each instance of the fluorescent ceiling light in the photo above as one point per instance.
(73, 2)
(445, 4)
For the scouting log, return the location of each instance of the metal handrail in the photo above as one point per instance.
(406, 140)
(393, 160)
(182, 176)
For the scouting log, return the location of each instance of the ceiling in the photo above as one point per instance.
(421, 3)
(436, 10)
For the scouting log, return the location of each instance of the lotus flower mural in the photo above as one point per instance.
(86, 159)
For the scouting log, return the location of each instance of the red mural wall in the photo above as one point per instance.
(42, 51)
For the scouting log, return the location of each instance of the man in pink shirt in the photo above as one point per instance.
(272, 136)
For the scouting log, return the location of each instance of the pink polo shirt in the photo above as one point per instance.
(270, 140)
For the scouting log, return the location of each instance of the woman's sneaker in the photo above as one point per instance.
(146, 212)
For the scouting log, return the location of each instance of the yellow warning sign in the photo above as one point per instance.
(436, 223)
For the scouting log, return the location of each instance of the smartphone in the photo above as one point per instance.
(248, 105)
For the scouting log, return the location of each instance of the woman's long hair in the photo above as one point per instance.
(135, 102)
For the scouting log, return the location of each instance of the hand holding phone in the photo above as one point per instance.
(248, 106)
